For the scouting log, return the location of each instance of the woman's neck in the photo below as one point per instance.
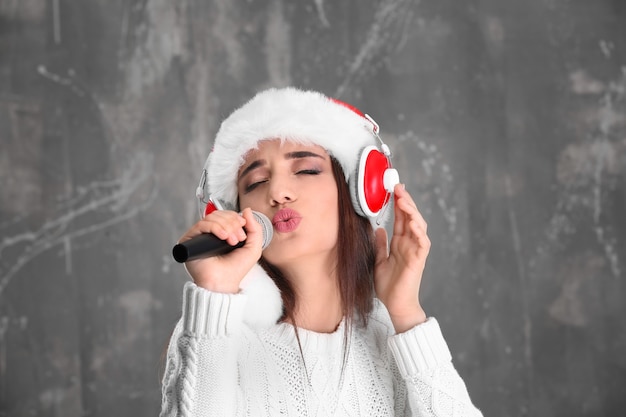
(318, 300)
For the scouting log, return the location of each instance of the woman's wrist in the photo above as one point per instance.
(221, 286)
(405, 321)
(217, 282)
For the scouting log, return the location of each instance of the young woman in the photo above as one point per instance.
(326, 320)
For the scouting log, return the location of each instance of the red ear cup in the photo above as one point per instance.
(210, 208)
(371, 187)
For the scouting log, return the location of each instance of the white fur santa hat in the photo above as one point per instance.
(306, 117)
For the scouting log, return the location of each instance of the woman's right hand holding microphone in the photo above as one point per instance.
(224, 273)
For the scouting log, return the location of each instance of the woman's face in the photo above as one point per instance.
(294, 186)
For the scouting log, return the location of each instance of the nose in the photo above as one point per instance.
(281, 191)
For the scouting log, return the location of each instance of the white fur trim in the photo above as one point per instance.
(289, 114)
(264, 304)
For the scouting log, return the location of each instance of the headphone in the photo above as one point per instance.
(371, 186)
(373, 183)
(206, 205)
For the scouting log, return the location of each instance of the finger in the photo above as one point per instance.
(421, 237)
(382, 251)
(226, 225)
(411, 211)
(399, 216)
(252, 226)
(407, 203)
(401, 191)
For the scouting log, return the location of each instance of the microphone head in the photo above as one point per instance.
(266, 224)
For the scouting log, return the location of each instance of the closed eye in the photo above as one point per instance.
(252, 186)
(309, 172)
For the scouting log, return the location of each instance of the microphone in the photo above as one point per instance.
(207, 244)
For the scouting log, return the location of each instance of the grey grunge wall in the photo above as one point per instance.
(507, 120)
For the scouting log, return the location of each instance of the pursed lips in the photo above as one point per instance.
(286, 220)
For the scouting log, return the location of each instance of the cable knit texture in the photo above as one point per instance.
(220, 365)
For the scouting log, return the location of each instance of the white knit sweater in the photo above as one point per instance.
(218, 364)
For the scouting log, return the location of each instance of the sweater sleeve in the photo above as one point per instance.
(200, 376)
(434, 386)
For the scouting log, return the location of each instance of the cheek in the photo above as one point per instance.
(247, 200)
(331, 198)
(329, 206)
(326, 206)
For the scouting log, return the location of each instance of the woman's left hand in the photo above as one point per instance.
(398, 272)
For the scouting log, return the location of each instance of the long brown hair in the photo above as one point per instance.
(355, 261)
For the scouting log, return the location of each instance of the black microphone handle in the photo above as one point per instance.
(207, 244)
(202, 246)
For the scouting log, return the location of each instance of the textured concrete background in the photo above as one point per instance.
(508, 123)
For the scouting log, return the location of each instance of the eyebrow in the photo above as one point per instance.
(302, 154)
(289, 155)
